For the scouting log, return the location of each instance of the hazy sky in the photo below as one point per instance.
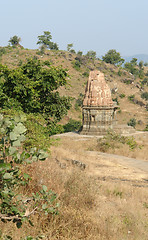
(88, 24)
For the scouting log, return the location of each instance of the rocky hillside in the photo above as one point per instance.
(126, 89)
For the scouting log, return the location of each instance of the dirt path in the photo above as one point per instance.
(137, 163)
(125, 161)
(71, 152)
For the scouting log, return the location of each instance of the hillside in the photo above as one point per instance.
(126, 90)
(81, 189)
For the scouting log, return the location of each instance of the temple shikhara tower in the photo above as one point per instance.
(98, 108)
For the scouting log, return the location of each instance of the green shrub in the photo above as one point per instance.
(13, 157)
(116, 100)
(132, 122)
(119, 73)
(145, 95)
(72, 125)
(2, 50)
(112, 141)
(122, 95)
(85, 74)
(131, 98)
(76, 64)
(79, 101)
(145, 81)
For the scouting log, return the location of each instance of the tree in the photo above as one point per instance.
(113, 57)
(134, 61)
(141, 64)
(15, 40)
(91, 54)
(69, 47)
(80, 53)
(45, 40)
(134, 68)
(32, 88)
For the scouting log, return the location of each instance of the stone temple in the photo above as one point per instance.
(99, 111)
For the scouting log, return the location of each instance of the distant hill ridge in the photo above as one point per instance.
(140, 57)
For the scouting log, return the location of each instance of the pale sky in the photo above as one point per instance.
(98, 25)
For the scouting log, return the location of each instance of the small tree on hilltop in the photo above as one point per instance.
(15, 40)
(70, 48)
(113, 57)
(91, 54)
(45, 41)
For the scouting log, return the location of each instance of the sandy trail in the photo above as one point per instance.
(103, 166)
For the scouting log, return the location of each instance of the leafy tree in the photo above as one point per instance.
(15, 40)
(32, 87)
(146, 64)
(134, 68)
(45, 40)
(69, 47)
(113, 57)
(134, 61)
(80, 53)
(141, 64)
(91, 54)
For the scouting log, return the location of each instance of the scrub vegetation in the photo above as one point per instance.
(55, 188)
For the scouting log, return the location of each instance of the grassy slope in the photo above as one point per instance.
(96, 203)
(77, 81)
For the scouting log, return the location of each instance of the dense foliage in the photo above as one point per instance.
(134, 68)
(14, 205)
(15, 40)
(32, 88)
(113, 57)
(45, 41)
(145, 95)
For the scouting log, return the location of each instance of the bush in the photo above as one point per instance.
(112, 140)
(145, 81)
(79, 101)
(131, 98)
(119, 73)
(145, 95)
(122, 95)
(14, 205)
(72, 125)
(85, 74)
(76, 64)
(132, 122)
(2, 51)
(116, 100)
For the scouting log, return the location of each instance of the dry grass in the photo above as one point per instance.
(132, 146)
(94, 203)
(106, 201)
(77, 81)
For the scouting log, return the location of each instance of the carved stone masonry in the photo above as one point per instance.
(98, 108)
